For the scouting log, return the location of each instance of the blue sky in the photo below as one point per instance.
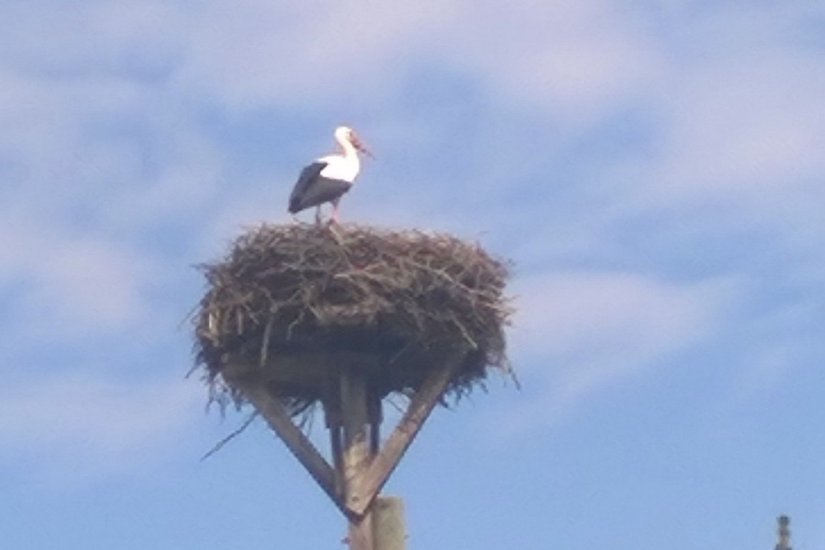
(655, 169)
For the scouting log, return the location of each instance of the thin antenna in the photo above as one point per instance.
(784, 533)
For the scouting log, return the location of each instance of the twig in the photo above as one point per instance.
(230, 437)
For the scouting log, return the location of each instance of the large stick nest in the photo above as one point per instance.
(299, 301)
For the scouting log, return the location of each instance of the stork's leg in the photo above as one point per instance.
(318, 215)
(334, 218)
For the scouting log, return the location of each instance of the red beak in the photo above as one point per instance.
(358, 144)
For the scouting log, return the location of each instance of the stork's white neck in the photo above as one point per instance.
(346, 145)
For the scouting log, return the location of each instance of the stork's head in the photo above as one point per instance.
(345, 134)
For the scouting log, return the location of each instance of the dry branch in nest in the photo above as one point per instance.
(300, 302)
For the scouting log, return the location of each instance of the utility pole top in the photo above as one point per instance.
(784, 533)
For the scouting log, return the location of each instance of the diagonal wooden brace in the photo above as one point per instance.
(278, 419)
(384, 463)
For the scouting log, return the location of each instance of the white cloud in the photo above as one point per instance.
(258, 52)
(92, 38)
(79, 416)
(576, 60)
(753, 126)
(577, 332)
(573, 60)
(81, 198)
(71, 283)
(572, 312)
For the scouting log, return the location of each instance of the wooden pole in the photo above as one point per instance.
(356, 454)
(332, 413)
(389, 530)
(387, 459)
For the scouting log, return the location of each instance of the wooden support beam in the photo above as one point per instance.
(332, 414)
(360, 469)
(356, 454)
(385, 461)
(276, 416)
(375, 416)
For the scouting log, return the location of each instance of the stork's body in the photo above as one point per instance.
(328, 178)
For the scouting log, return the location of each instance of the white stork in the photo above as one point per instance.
(329, 177)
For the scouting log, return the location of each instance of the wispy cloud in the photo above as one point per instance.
(77, 417)
(79, 283)
(576, 61)
(265, 53)
(752, 126)
(578, 332)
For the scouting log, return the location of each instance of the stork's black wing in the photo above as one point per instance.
(305, 180)
(313, 189)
